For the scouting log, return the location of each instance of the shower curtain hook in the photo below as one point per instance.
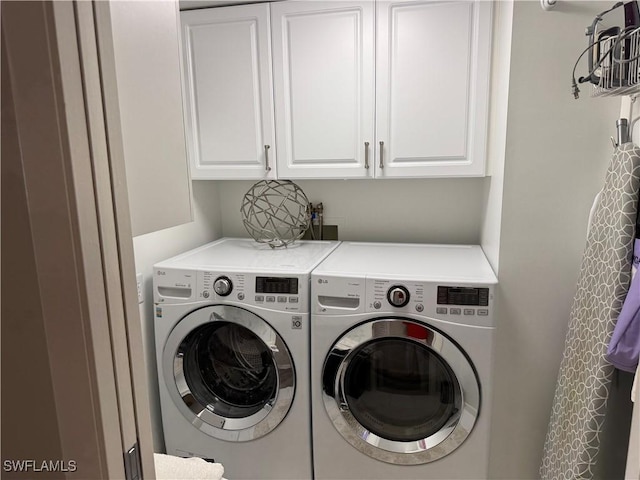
(622, 128)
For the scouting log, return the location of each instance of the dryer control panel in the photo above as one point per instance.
(466, 296)
(459, 303)
(454, 302)
(337, 295)
(385, 295)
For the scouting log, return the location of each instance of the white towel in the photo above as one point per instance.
(169, 467)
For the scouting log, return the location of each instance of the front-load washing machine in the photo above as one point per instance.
(401, 354)
(232, 346)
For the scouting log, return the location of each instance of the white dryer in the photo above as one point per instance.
(401, 355)
(232, 345)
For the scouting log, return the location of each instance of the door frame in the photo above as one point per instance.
(80, 229)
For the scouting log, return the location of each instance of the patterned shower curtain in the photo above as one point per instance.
(580, 400)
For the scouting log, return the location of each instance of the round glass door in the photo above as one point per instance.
(229, 372)
(401, 387)
(400, 390)
(228, 368)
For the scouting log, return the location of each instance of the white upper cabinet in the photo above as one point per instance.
(139, 52)
(352, 89)
(229, 92)
(432, 87)
(323, 63)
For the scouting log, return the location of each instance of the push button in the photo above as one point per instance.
(483, 312)
(441, 310)
(293, 299)
(271, 299)
(282, 299)
(469, 311)
(455, 311)
(259, 298)
(419, 307)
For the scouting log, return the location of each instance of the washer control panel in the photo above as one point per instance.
(222, 286)
(283, 293)
(174, 285)
(398, 296)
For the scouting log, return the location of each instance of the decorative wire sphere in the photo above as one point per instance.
(275, 212)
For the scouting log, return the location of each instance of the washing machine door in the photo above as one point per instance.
(400, 391)
(229, 372)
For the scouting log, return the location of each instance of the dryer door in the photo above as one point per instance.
(400, 391)
(229, 372)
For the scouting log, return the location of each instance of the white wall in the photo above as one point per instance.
(154, 247)
(498, 107)
(422, 210)
(557, 152)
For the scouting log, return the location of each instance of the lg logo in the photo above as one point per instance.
(321, 281)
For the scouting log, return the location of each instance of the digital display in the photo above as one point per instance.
(277, 285)
(478, 297)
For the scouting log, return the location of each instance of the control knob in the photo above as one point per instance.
(398, 296)
(223, 286)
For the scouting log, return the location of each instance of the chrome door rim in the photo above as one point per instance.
(433, 447)
(201, 416)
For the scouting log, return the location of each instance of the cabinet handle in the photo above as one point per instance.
(266, 158)
(366, 155)
(381, 155)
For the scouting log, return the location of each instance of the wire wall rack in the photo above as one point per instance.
(616, 65)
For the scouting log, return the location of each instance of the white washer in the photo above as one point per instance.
(401, 353)
(232, 345)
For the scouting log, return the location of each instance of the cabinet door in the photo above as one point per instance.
(229, 92)
(323, 56)
(139, 52)
(432, 86)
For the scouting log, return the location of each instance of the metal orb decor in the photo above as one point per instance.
(275, 212)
